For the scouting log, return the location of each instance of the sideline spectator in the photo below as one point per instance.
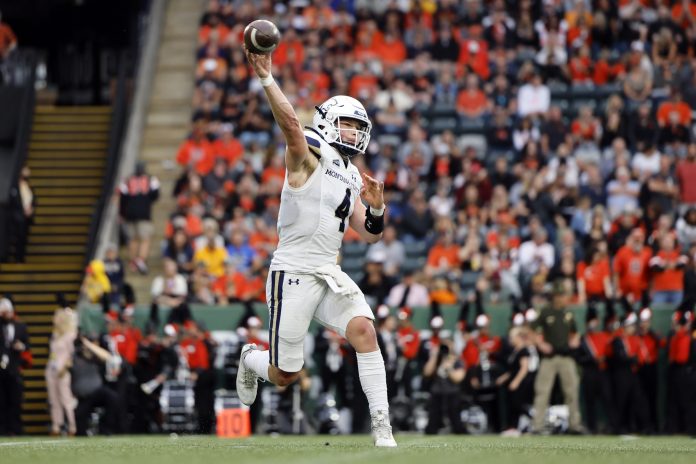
(137, 194)
(15, 355)
(556, 336)
(58, 375)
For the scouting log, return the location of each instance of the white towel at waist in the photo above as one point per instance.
(338, 281)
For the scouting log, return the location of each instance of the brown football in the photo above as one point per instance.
(261, 37)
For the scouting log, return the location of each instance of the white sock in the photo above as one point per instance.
(373, 378)
(257, 361)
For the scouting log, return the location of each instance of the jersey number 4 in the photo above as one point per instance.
(343, 210)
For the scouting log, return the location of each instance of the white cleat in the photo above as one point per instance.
(382, 431)
(247, 380)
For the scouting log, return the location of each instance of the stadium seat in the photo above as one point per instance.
(468, 279)
(438, 125)
(354, 249)
(413, 264)
(470, 126)
(416, 249)
(352, 264)
(473, 140)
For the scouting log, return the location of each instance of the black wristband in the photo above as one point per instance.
(374, 224)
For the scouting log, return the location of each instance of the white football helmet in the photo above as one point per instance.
(327, 120)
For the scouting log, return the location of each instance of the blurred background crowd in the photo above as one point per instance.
(535, 153)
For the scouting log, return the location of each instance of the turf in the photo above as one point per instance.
(349, 449)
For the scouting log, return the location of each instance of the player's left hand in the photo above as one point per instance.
(372, 191)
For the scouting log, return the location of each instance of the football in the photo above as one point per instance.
(261, 37)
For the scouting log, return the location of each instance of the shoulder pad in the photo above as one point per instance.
(314, 144)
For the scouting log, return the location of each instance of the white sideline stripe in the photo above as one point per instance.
(40, 442)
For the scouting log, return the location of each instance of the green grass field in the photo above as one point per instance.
(349, 449)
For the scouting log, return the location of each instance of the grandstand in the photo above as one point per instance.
(526, 148)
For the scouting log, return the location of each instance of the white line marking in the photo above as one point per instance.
(40, 442)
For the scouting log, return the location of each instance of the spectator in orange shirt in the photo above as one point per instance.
(667, 268)
(580, 66)
(230, 285)
(607, 69)
(685, 17)
(290, 51)
(264, 239)
(472, 102)
(275, 171)
(364, 83)
(443, 257)
(227, 146)
(392, 50)
(474, 55)
(674, 105)
(631, 270)
(594, 278)
(318, 15)
(316, 81)
(214, 31)
(196, 153)
(8, 40)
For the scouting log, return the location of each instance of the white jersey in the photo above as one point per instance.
(313, 218)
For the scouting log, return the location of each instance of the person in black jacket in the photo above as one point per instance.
(14, 355)
(629, 394)
(596, 381)
(689, 298)
(138, 193)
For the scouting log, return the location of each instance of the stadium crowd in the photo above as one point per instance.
(539, 153)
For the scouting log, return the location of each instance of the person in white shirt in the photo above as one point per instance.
(533, 98)
(169, 289)
(622, 193)
(391, 248)
(647, 163)
(536, 253)
(408, 293)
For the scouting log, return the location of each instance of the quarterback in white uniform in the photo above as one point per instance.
(322, 195)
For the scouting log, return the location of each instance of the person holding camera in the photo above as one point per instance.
(90, 366)
(446, 372)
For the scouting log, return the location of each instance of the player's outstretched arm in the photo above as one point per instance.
(283, 112)
(369, 224)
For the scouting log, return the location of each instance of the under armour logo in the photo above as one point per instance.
(296, 281)
(337, 163)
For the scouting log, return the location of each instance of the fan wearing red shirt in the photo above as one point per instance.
(594, 278)
(196, 153)
(443, 257)
(408, 341)
(229, 286)
(197, 346)
(685, 174)
(674, 105)
(472, 102)
(227, 146)
(480, 342)
(596, 381)
(631, 270)
(667, 269)
(629, 395)
(253, 326)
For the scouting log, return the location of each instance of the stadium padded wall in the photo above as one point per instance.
(227, 317)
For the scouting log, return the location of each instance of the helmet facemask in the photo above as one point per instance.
(327, 121)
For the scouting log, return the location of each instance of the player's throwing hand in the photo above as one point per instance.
(372, 191)
(260, 63)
